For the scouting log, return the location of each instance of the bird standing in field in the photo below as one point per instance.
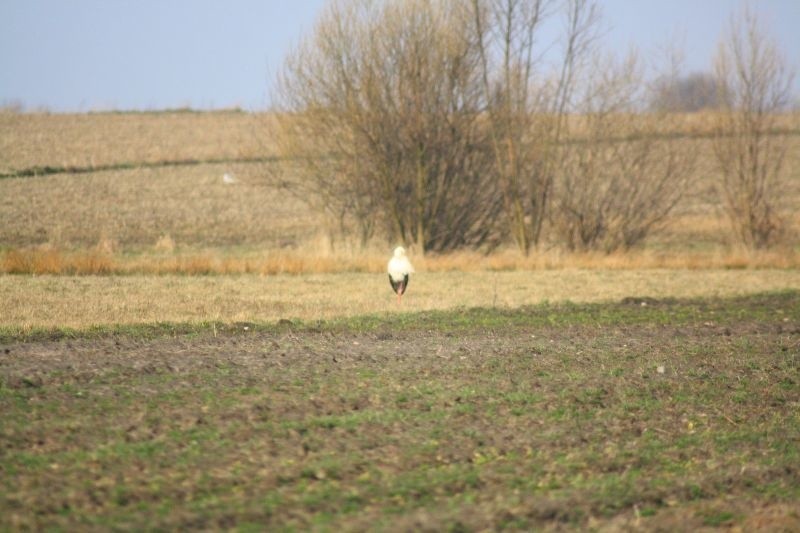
(399, 268)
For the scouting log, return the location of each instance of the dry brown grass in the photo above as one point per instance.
(96, 139)
(50, 261)
(698, 125)
(97, 261)
(184, 219)
(82, 301)
(189, 208)
(138, 207)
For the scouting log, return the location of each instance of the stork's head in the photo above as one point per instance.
(399, 251)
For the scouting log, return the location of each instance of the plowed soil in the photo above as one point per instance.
(643, 414)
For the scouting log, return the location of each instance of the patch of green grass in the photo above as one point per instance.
(718, 518)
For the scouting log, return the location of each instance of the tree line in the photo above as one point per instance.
(468, 124)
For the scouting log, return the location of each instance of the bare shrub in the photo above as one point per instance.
(755, 87)
(379, 126)
(434, 123)
(619, 178)
(527, 98)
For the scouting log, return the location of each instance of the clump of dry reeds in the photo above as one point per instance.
(52, 261)
(97, 261)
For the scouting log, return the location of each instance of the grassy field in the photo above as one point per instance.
(675, 415)
(181, 353)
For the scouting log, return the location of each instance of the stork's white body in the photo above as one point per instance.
(399, 268)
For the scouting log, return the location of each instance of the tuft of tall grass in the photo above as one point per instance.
(165, 243)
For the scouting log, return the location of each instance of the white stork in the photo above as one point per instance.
(399, 268)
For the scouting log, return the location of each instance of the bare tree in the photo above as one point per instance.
(619, 178)
(446, 124)
(755, 84)
(526, 101)
(380, 119)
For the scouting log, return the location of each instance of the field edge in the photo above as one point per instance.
(763, 306)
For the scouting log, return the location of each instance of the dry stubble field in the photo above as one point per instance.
(273, 383)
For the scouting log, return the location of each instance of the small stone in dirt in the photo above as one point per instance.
(660, 369)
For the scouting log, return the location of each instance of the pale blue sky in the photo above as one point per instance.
(82, 55)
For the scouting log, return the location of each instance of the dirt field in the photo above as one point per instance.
(646, 414)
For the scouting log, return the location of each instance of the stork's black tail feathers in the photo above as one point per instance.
(399, 286)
